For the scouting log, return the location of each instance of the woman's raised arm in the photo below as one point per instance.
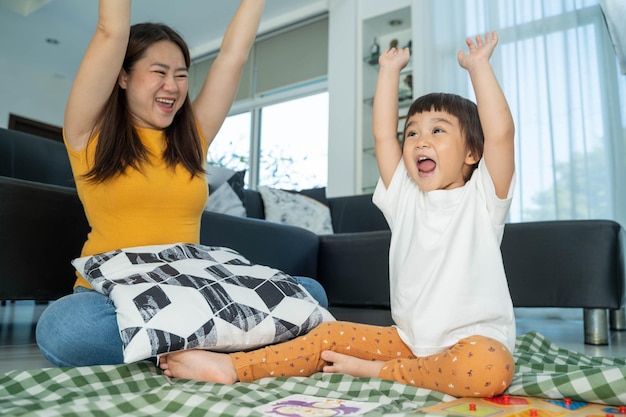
(218, 91)
(98, 71)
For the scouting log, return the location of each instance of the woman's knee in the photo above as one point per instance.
(80, 329)
(314, 288)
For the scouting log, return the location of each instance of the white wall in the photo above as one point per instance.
(31, 94)
(342, 60)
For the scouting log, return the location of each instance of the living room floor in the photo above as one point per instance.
(564, 327)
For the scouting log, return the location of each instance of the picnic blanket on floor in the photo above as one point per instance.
(140, 389)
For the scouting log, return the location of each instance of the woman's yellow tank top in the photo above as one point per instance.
(157, 205)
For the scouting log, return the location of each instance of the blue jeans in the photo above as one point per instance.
(81, 329)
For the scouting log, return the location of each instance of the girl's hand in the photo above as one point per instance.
(479, 52)
(394, 58)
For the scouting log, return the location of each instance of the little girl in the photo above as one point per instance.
(445, 193)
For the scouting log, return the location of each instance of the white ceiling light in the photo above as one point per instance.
(24, 7)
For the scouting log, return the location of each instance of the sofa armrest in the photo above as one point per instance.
(33, 158)
(43, 229)
(290, 249)
(565, 263)
(354, 268)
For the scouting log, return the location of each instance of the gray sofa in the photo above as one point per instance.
(565, 264)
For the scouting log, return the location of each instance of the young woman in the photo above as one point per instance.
(138, 147)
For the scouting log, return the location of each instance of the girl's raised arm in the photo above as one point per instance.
(385, 112)
(493, 110)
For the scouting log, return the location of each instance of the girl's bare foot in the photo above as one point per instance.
(201, 365)
(346, 364)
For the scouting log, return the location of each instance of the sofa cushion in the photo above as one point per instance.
(317, 194)
(184, 296)
(226, 193)
(296, 210)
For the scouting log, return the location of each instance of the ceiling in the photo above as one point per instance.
(29, 28)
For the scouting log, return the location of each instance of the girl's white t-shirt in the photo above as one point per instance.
(447, 277)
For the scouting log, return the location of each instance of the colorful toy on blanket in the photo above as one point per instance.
(510, 406)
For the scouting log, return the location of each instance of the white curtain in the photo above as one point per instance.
(559, 71)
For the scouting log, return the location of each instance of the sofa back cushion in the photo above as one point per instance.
(356, 213)
(33, 158)
(291, 249)
(565, 263)
(254, 204)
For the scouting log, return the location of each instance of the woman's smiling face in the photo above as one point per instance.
(434, 153)
(156, 86)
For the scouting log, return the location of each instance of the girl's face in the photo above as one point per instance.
(156, 87)
(434, 151)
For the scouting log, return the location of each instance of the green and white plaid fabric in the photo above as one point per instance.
(544, 370)
(140, 389)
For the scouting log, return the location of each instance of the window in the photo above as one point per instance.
(231, 147)
(278, 128)
(559, 72)
(294, 143)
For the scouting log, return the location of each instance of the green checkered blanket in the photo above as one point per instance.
(140, 389)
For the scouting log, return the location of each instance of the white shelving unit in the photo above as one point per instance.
(383, 27)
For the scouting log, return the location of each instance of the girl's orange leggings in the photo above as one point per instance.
(476, 366)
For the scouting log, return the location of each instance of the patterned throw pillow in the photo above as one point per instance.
(296, 210)
(226, 193)
(184, 296)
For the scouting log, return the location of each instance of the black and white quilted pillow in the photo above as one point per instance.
(185, 296)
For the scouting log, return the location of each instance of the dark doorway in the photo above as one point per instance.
(35, 127)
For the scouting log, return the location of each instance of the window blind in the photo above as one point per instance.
(284, 58)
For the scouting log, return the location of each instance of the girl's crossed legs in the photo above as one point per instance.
(476, 366)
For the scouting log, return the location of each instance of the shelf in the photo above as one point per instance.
(404, 100)
(369, 151)
(405, 89)
(406, 70)
(369, 189)
(371, 60)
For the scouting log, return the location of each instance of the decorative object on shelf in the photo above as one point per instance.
(408, 81)
(400, 133)
(405, 93)
(374, 53)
